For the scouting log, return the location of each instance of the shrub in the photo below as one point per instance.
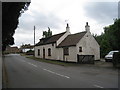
(30, 52)
(116, 59)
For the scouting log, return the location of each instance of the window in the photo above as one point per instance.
(49, 52)
(80, 49)
(38, 52)
(52, 44)
(66, 51)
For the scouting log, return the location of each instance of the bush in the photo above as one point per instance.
(116, 59)
(30, 52)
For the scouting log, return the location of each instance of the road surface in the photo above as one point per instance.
(26, 73)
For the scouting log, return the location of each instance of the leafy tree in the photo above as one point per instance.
(116, 33)
(112, 33)
(104, 46)
(47, 33)
(109, 40)
(11, 11)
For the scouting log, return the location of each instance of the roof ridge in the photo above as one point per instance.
(58, 33)
(79, 33)
(54, 35)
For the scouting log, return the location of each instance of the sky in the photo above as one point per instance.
(57, 13)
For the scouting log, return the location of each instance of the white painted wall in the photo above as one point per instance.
(72, 57)
(59, 54)
(89, 46)
(46, 47)
(56, 53)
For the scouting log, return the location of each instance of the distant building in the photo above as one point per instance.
(26, 47)
(69, 47)
(12, 50)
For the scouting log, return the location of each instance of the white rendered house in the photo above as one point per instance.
(69, 47)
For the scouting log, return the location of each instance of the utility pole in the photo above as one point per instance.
(34, 40)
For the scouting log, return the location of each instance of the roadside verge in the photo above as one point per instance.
(97, 64)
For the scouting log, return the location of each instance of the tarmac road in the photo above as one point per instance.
(26, 73)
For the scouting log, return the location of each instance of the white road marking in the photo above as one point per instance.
(56, 73)
(98, 86)
(32, 64)
(47, 70)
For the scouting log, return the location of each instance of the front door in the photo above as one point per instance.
(43, 53)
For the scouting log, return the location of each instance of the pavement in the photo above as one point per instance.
(26, 73)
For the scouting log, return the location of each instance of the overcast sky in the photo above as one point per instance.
(56, 13)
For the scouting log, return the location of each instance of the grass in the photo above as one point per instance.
(62, 63)
(22, 54)
(52, 61)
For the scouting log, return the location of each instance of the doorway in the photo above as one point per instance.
(43, 53)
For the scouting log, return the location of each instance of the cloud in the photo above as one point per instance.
(53, 13)
(119, 9)
(102, 12)
(39, 19)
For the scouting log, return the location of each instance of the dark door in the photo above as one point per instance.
(43, 53)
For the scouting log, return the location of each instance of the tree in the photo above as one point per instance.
(112, 32)
(47, 33)
(109, 40)
(116, 34)
(11, 11)
(104, 46)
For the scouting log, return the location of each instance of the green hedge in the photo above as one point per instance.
(30, 52)
(116, 59)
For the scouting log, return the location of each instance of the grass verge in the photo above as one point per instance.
(62, 63)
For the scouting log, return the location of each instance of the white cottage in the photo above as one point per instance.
(69, 47)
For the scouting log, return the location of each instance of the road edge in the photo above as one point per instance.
(4, 75)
